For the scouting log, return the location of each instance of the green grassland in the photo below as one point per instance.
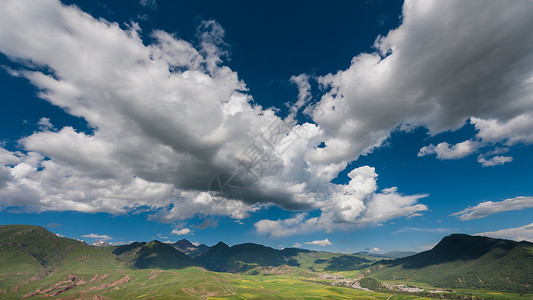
(466, 293)
(191, 283)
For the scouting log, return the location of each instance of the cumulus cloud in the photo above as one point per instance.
(297, 245)
(447, 63)
(488, 208)
(446, 151)
(321, 243)
(524, 233)
(513, 131)
(183, 231)
(356, 204)
(103, 237)
(143, 103)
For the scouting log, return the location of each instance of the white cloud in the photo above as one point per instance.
(183, 231)
(488, 208)
(297, 245)
(304, 93)
(524, 233)
(146, 149)
(447, 151)
(45, 124)
(494, 161)
(357, 204)
(447, 63)
(374, 249)
(287, 227)
(103, 237)
(321, 243)
(511, 132)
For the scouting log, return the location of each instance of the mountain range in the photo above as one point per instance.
(31, 255)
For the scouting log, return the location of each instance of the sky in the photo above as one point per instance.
(343, 126)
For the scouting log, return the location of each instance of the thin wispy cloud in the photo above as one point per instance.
(523, 233)
(485, 209)
(433, 230)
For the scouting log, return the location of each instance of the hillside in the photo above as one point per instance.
(152, 255)
(34, 252)
(463, 261)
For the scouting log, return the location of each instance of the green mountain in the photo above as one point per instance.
(463, 261)
(244, 257)
(153, 255)
(33, 251)
(241, 258)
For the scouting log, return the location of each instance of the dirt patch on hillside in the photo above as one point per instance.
(108, 285)
(155, 273)
(57, 288)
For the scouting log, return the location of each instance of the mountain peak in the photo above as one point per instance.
(101, 243)
(189, 248)
(183, 243)
(221, 245)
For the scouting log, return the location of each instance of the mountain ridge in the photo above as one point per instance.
(464, 261)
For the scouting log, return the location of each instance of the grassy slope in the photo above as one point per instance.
(32, 252)
(484, 263)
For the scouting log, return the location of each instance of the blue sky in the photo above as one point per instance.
(346, 125)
